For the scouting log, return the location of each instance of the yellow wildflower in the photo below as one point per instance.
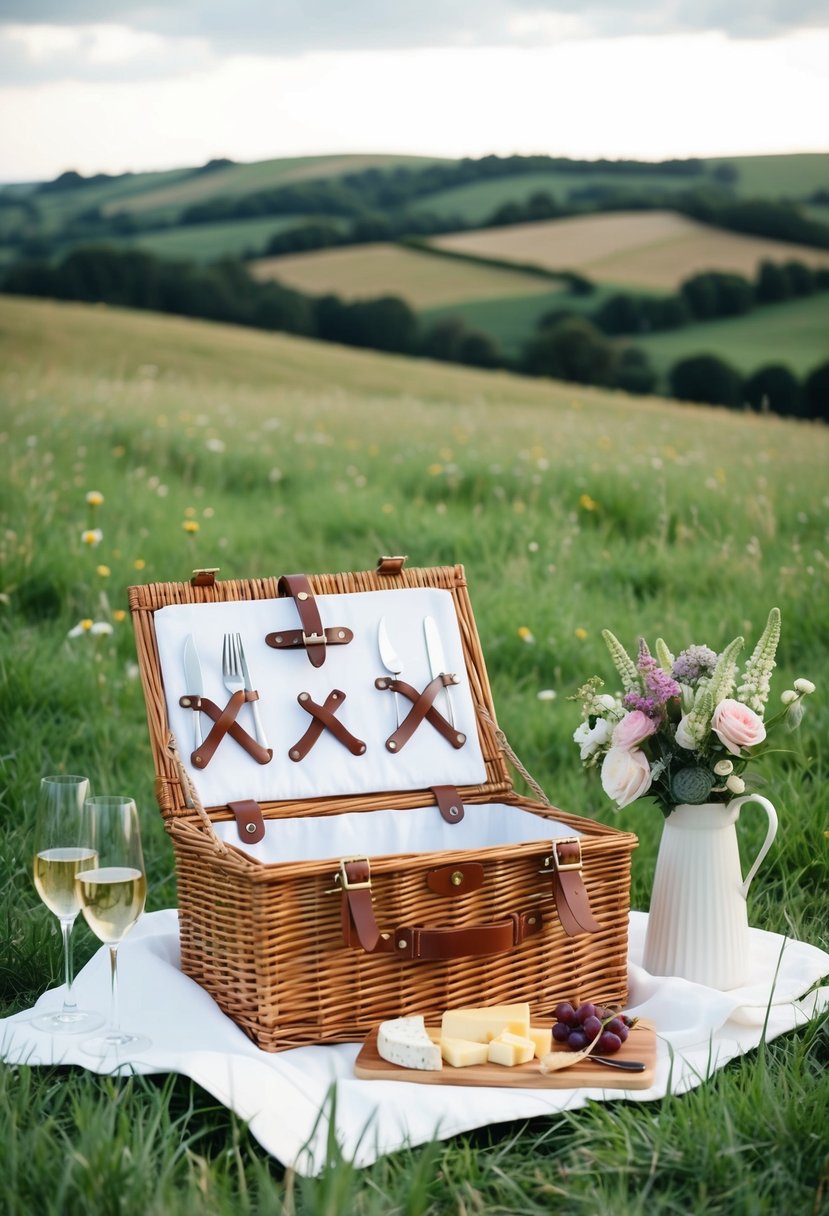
(189, 512)
(139, 563)
(588, 503)
(581, 633)
(92, 536)
(119, 614)
(190, 525)
(526, 634)
(104, 571)
(94, 498)
(435, 470)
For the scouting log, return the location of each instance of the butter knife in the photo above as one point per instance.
(195, 684)
(391, 662)
(258, 729)
(437, 660)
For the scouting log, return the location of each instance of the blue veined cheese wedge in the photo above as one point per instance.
(405, 1041)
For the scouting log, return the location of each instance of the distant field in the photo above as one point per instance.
(204, 242)
(261, 175)
(793, 176)
(511, 321)
(58, 206)
(651, 249)
(476, 201)
(423, 280)
(795, 333)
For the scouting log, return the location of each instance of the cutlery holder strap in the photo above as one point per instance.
(313, 637)
(324, 718)
(422, 707)
(225, 724)
(294, 639)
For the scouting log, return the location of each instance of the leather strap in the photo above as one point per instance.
(323, 718)
(294, 639)
(391, 565)
(225, 724)
(569, 892)
(357, 913)
(422, 707)
(298, 587)
(450, 803)
(249, 821)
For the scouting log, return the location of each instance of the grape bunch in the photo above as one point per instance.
(577, 1028)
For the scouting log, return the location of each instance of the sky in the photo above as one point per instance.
(116, 85)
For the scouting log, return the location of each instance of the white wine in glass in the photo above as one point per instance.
(60, 851)
(111, 892)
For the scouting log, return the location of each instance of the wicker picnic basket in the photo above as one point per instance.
(280, 945)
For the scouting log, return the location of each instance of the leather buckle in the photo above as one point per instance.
(342, 881)
(554, 862)
(314, 639)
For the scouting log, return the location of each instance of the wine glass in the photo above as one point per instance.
(112, 892)
(61, 850)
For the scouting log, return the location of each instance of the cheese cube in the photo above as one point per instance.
(481, 1025)
(404, 1041)
(510, 1049)
(460, 1053)
(542, 1037)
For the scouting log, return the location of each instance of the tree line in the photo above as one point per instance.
(569, 348)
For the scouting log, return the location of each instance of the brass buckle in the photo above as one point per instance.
(341, 879)
(314, 639)
(554, 862)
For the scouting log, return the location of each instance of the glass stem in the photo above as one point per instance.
(114, 1012)
(69, 1002)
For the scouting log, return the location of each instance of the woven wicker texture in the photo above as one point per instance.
(266, 940)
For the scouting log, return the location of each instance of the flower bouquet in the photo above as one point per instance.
(682, 730)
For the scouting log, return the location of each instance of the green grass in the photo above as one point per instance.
(512, 321)
(205, 242)
(702, 520)
(795, 333)
(793, 175)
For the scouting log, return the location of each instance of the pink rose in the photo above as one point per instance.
(737, 726)
(633, 728)
(626, 775)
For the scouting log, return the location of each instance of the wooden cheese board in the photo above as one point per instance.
(640, 1045)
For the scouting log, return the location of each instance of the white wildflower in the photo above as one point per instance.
(723, 767)
(736, 784)
(101, 629)
(547, 694)
(591, 739)
(789, 696)
(804, 686)
(754, 689)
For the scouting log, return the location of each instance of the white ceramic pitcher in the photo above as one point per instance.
(698, 923)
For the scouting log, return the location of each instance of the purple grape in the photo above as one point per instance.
(609, 1043)
(565, 1013)
(561, 1032)
(617, 1026)
(592, 1026)
(585, 1011)
(577, 1040)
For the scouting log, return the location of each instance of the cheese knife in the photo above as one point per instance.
(195, 684)
(437, 660)
(389, 658)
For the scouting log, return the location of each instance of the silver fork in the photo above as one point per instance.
(231, 672)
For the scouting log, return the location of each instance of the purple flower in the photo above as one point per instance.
(659, 687)
(693, 663)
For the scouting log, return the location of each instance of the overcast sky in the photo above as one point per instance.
(109, 85)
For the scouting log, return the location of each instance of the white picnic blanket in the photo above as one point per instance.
(285, 1098)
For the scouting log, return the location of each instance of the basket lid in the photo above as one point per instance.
(328, 715)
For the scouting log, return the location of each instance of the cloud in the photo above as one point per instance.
(189, 31)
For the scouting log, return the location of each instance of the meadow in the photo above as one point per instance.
(572, 510)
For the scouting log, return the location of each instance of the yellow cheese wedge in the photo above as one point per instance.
(510, 1049)
(542, 1038)
(481, 1025)
(460, 1053)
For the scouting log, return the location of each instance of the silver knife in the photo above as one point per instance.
(437, 660)
(195, 684)
(389, 658)
(261, 738)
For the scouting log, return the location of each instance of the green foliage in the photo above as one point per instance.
(706, 378)
(570, 509)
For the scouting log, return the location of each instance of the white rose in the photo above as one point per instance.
(626, 775)
(684, 737)
(736, 784)
(723, 767)
(590, 741)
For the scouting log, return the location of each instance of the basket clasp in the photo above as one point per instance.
(343, 883)
(555, 862)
